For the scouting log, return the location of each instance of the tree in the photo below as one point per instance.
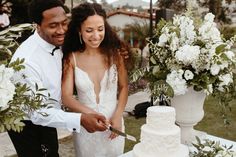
(177, 5)
(217, 8)
(214, 6)
(108, 7)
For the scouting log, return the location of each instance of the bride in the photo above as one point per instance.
(93, 65)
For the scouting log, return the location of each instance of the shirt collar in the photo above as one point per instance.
(44, 44)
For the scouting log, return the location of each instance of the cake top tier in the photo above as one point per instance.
(161, 116)
(160, 110)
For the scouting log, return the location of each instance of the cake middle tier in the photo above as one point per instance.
(167, 140)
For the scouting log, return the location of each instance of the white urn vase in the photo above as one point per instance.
(189, 111)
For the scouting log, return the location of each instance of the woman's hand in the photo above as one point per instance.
(116, 122)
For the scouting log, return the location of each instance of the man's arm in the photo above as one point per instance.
(55, 117)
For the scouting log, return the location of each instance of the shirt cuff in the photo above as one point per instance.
(73, 121)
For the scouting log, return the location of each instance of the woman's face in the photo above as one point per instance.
(93, 31)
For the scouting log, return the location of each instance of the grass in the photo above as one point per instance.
(212, 123)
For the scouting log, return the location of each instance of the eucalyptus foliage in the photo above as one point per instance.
(8, 40)
(209, 148)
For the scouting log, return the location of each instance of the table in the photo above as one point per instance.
(210, 137)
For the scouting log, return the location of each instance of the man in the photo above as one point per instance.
(43, 66)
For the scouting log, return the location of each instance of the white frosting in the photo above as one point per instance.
(160, 137)
(160, 117)
(169, 140)
(181, 152)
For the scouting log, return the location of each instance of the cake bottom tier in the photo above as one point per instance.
(183, 151)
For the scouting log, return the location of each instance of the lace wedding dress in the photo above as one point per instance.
(97, 144)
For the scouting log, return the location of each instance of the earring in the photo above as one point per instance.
(80, 38)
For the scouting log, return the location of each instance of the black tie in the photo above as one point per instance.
(56, 48)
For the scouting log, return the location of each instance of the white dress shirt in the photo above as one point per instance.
(45, 69)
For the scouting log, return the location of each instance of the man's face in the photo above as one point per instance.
(53, 26)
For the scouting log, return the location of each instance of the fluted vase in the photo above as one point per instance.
(189, 111)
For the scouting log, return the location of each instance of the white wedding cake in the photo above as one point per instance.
(160, 137)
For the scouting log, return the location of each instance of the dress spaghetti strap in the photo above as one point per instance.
(74, 59)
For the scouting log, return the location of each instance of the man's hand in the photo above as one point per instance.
(93, 122)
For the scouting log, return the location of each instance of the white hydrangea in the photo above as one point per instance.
(176, 81)
(215, 69)
(209, 31)
(7, 88)
(187, 54)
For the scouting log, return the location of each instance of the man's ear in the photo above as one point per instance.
(38, 28)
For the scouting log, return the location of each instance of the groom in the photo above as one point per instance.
(43, 66)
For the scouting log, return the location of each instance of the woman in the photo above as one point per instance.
(93, 64)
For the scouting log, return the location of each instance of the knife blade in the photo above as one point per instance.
(127, 136)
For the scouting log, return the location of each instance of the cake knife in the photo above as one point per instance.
(127, 136)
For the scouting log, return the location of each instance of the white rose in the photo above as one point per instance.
(188, 75)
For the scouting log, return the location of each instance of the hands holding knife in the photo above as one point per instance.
(96, 122)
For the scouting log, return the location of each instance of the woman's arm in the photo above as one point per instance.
(116, 120)
(122, 87)
(68, 88)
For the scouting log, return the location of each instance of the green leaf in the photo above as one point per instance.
(153, 61)
(220, 48)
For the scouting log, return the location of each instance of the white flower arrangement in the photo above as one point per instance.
(185, 53)
(192, 54)
(17, 100)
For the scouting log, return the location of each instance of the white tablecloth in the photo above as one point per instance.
(211, 137)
